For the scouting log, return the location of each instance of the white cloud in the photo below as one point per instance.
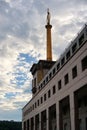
(22, 31)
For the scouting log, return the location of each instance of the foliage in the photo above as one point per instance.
(10, 125)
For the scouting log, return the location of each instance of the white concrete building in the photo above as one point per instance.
(59, 89)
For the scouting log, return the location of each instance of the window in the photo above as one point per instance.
(63, 61)
(58, 66)
(35, 105)
(81, 39)
(50, 75)
(44, 97)
(67, 55)
(84, 63)
(59, 84)
(54, 71)
(43, 82)
(35, 82)
(38, 102)
(74, 72)
(74, 47)
(41, 85)
(54, 89)
(49, 94)
(41, 100)
(66, 79)
(47, 79)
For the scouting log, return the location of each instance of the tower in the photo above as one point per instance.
(48, 32)
(40, 69)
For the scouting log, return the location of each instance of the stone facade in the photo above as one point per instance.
(60, 99)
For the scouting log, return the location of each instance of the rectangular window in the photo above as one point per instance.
(59, 84)
(38, 102)
(47, 79)
(49, 94)
(41, 85)
(66, 79)
(43, 82)
(50, 75)
(35, 82)
(44, 97)
(63, 61)
(84, 63)
(74, 47)
(35, 105)
(81, 39)
(53, 71)
(41, 100)
(67, 55)
(74, 72)
(58, 66)
(54, 89)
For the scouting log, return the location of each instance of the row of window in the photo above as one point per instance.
(63, 61)
(66, 81)
(64, 106)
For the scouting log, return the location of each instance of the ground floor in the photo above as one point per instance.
(70, 113)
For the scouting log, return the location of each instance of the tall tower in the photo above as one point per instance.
(40, 69)
(48, 32)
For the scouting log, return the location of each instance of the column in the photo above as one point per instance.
(72, 111)
(47, 112)
(57, 115)
(60, 116)
(39, 121)
(34, 122)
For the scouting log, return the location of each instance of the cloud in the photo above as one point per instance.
(23, 42)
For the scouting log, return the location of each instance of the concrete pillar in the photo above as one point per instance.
(60, 116)
(47, 112)
(34, 122)
(39, 121)
(29, 124)
(74, 112)
(57, 115)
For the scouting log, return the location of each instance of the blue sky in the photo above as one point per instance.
(23, 42)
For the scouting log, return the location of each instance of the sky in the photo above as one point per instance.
(23, 42)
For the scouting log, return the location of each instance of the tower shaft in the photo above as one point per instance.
(49, 42)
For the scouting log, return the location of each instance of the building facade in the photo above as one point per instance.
(59, 89)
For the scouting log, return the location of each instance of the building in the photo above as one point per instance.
(59, 88)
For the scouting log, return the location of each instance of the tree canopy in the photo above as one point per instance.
(10, 125)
